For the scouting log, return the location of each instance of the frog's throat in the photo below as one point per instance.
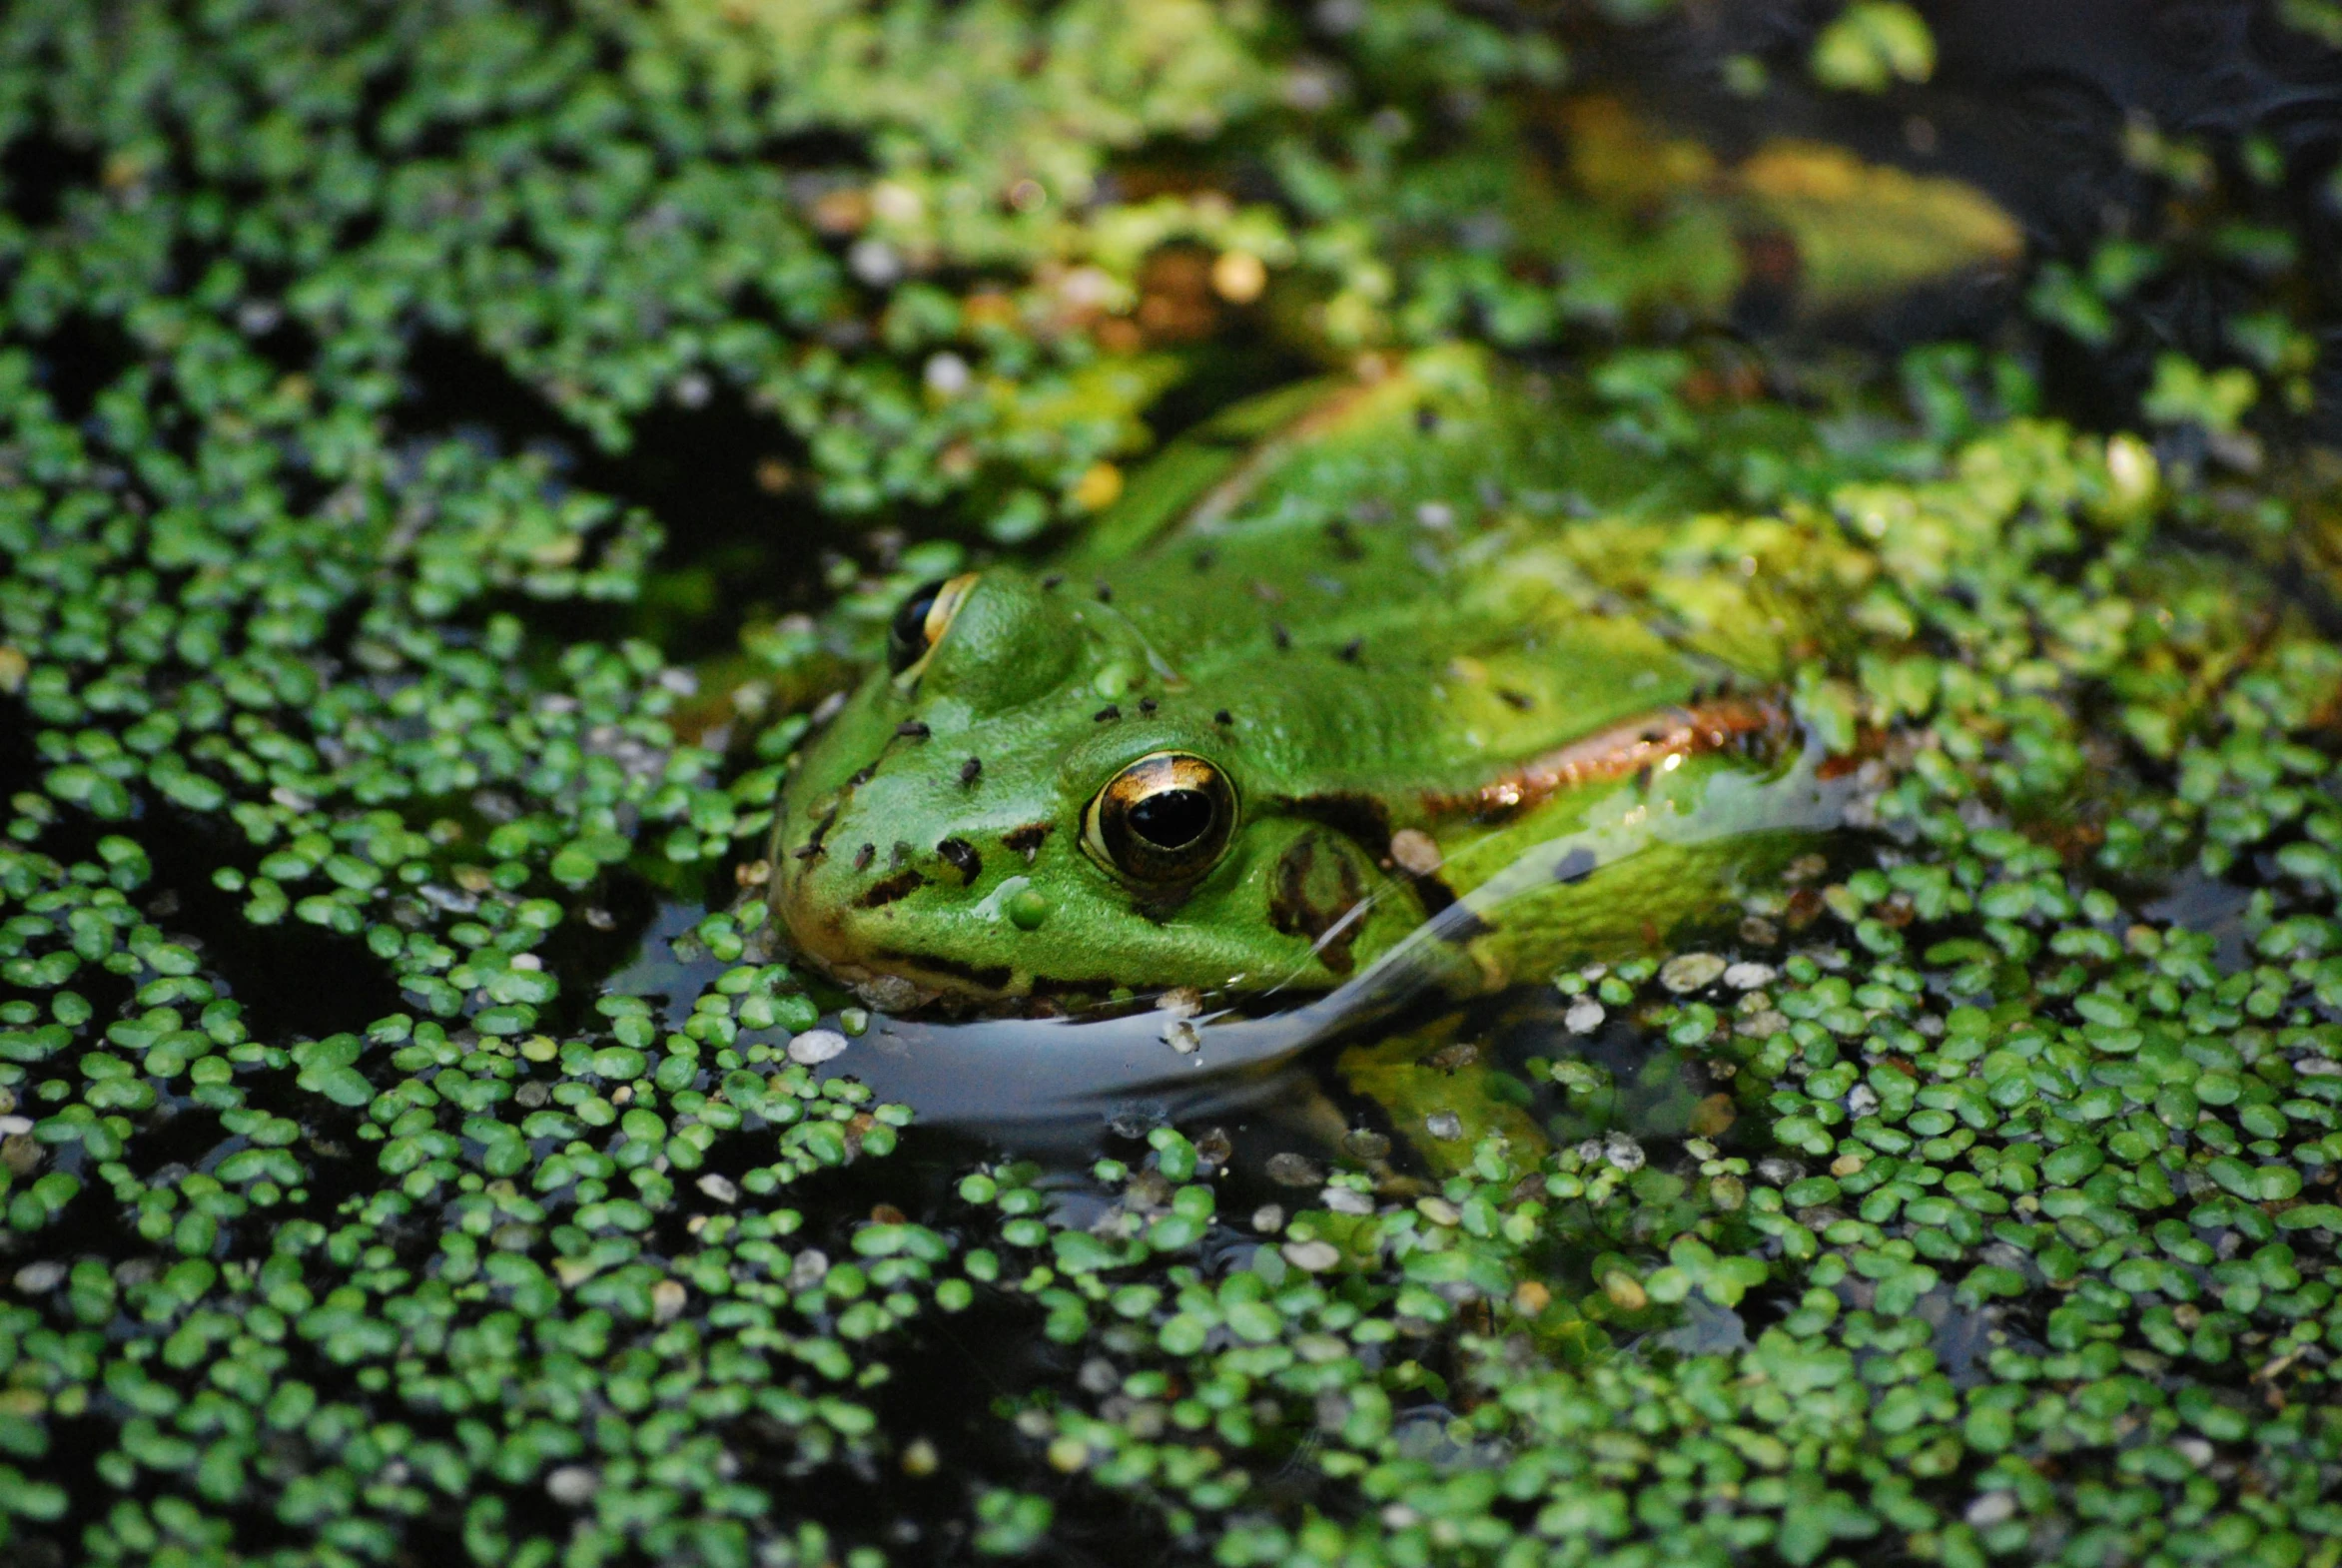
(1760, 726)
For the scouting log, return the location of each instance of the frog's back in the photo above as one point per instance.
(1405, 586)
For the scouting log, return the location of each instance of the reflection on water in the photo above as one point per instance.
(1060, 1086)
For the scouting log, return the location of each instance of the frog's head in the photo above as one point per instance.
(1031, 803)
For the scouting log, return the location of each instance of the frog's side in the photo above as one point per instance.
(1387, 668)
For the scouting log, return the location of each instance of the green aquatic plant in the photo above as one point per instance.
(365, 1195)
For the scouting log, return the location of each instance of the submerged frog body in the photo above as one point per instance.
(1356, 660)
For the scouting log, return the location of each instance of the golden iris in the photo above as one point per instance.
(922, 620)
(1163, 819)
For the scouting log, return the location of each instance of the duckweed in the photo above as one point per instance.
(1980, 1202)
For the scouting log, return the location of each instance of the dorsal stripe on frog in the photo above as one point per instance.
(1759, 724)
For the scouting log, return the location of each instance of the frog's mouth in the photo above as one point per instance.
(865, 955)
(900, 984)
(896, 982)
(888, 982)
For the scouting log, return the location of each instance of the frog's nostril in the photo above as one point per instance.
(1026, 841)
(961, 856)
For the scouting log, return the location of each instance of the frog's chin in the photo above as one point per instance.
(890, 993)
(819, 935)
(900, 984)
(906, 987)
(894, 993)
(898, 981)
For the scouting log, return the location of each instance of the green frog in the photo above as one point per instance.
(1417, 678)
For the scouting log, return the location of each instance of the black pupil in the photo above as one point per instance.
(1171, 819)
(906, 633)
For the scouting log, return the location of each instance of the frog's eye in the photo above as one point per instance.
(923, 618)
(1165, 818)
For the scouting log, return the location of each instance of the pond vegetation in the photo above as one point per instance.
(449, 452)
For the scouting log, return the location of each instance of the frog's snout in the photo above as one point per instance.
(870, 909)
(815, 906)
